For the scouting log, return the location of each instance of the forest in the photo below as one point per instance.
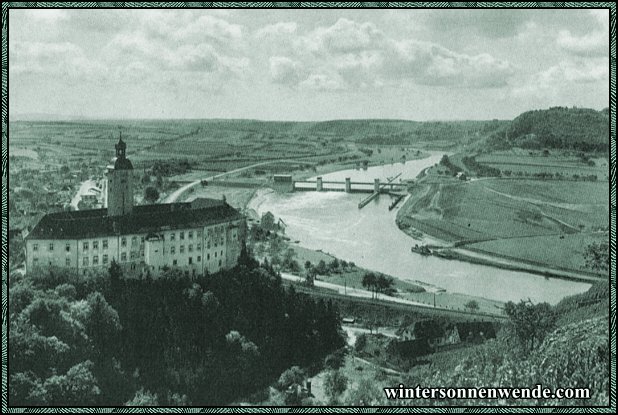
(574, 128)
(110, 340)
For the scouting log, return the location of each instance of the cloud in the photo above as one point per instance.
(323, 82)
(555, 78)
(593, 43)
(286, 71)
(211, 27)
(350, 55)
(277, 29)
(343, 37)
(60, 59)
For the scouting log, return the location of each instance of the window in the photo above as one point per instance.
(173, 237)
(221, 253)
(190, 247)
(105, 259)
(67, 247)
(105, 243)
(190, 234)
(172, 250)
(215, 254)
(190, 260)
(175, 262)
(67, 262)
(182, 249)
(51, 247)
(123, 256)
(198, 247)
(123, 241)
(85, 261)
(208, 245)
(85, 246)
(134, 240)
(199, 234)
(182, 235)
(35, 247)
(95, 244)
(199, 258)
(219, 262)
(95, 260)
(133, 255)
(207, 257)
(35, 261)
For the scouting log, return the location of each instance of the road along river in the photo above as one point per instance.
(332, 222)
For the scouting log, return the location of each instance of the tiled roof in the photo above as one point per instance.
(144, 219)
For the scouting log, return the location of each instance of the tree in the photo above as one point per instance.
(293, 376)
(370, 282)
(267, 221)
(115, 272)
(531, 322)
(471, 305)
(321, 268)
(596, 256)
(142, 398)
(103, 324)
(151, 194)
(384, 284)
(335, 383)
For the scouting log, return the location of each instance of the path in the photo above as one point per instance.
(355, 292)
(176, 194)
(83, 189)
(519, 265)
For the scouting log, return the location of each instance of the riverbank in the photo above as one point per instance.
(427, 215)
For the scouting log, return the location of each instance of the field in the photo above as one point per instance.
(545, 222)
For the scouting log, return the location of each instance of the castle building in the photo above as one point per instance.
(201, 236)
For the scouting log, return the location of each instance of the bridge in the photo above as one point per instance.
(375, 188)
(347, 186)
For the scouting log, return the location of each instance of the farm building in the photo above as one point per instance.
(204, 235)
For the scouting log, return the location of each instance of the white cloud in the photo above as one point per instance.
(277, 29)
(557, 77)
(323, 82)
(62, 59)
(594, 43)
(591, 44)
(284, 70)
(343, 37)
(211, 27)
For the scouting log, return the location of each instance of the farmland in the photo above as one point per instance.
(542, 209)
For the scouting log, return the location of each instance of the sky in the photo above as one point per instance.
(306, 65)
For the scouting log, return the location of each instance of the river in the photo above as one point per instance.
(332, 222)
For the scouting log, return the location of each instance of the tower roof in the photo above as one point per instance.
(122, 162)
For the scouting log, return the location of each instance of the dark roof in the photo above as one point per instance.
(123, 163)
(144, 219)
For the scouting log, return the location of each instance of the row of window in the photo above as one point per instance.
(123, 258)
(123, 242)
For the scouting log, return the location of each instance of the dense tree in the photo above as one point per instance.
(151, 194)
(530, 322)
(335, 383)
(201, 341)
(596, 256)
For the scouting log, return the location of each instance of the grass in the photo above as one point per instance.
(564, 252)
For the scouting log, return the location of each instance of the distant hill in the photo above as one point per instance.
(580, 129)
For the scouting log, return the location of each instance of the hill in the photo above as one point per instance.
(580, 129)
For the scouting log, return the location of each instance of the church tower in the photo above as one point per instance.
(120, 183)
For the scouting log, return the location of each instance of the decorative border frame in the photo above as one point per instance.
(321, 409)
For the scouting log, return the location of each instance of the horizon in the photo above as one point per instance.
(72, 118)
(306, 65)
